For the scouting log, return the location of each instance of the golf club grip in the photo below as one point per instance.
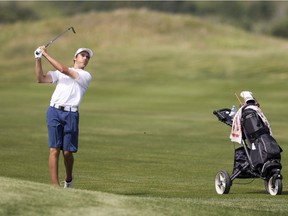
(48, 44)
(45, 47)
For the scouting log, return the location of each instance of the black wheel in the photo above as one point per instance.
(274, 187)
(222, 182)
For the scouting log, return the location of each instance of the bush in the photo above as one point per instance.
(280, 29)
(11, 12)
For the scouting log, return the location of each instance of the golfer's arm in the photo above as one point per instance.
(58, 66)
(41, 78)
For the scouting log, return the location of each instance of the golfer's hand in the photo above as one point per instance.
(43, 50)
(38, 53)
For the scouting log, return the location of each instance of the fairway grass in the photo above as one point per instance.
(26, 198)
(149, 143)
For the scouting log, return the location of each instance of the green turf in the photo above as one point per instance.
(149, 143)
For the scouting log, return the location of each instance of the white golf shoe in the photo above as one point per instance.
(68, 184)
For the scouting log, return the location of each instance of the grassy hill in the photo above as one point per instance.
(147, 133)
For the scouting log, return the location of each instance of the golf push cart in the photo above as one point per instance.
(259, 154)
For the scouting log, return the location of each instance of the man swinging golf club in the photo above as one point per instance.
(62, 114)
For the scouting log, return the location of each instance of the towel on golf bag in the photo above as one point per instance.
(236, 131)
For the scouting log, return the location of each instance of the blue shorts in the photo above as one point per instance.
(62, 129)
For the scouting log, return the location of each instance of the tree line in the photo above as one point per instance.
(269, 17)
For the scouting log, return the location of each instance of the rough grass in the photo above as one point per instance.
(149, 143)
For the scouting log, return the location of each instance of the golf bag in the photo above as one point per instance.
(259, 155)
(263, 146)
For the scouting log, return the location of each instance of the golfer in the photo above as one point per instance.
(62, 114)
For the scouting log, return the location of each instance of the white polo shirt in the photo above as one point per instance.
(69, 91)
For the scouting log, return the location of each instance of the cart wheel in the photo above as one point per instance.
(222, 182)
(276, 188)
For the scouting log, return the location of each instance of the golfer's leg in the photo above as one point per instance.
(53, 166)
(68, 161)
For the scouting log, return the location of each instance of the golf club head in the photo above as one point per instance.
(73, 29)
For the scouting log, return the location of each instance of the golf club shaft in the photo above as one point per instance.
(50, 42)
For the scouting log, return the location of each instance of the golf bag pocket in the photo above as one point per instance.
(264, 148)
(253, 125)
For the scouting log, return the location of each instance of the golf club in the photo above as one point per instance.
(50, 42)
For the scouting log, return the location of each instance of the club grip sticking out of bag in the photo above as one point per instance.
(238, 99)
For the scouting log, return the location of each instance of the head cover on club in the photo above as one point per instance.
(247, 95)
(89, 51)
